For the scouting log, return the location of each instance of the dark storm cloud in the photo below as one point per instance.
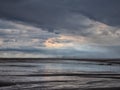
(81, 22)
(63, 16)
(51, 13)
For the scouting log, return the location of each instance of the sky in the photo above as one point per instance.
(60, 28)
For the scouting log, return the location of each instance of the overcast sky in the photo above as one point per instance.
(60, 28)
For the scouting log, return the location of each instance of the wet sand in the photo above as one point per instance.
(47, 74)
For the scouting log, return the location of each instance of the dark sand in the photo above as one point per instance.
(59, 74)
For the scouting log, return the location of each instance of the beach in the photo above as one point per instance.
(61, 74)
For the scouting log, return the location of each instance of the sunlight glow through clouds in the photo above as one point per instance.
(64, 41)
(22, 40)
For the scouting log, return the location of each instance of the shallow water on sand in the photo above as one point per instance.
(51, 74)
(67, 66)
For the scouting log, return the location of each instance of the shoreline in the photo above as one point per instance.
(109, 61)
(28, 74)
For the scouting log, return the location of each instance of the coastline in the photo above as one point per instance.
(38, 74)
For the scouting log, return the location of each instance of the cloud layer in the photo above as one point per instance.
(18, 39)
(60, 28)
(52, 12)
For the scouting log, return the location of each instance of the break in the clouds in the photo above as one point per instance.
(60, 28)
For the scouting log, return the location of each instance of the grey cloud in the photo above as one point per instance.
(15, 40)
(58, 53)
(70, 15)
(60, 17)
(18, 34)
(63, 16)
(50, 13)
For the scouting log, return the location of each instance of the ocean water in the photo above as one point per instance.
(60, 66)
(61, 74)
